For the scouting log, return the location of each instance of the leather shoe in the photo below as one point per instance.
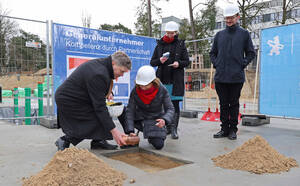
(232, 135)
(62, 144)
(174, 134)
(168, 129)
(128, 146)
(102, 144)
(221, 134)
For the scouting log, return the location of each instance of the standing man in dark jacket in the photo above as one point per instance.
(171, 57)
(81, 102)
(231, 52)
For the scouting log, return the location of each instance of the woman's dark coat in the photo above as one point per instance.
(160, 107)
(81, 101)
(178, 52)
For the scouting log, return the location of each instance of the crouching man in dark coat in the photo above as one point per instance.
(81, 103)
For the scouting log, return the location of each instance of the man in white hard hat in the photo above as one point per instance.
(230, 54)
(149, 108)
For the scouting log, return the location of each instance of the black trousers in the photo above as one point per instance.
(73, 140)
(229, 95)
(158, 143)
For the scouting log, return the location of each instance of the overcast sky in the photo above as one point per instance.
(101, 11)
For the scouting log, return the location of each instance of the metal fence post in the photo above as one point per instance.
(40, 99)
(27, 106)
(47, 65)
(16, 104)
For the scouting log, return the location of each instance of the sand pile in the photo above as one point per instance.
(256, 156)
(76, 167)
(26, 81)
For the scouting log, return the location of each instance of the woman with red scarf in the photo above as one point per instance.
(171, 57)
(149, 108)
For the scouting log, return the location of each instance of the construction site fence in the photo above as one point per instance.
(25, 63)
(200, 93)
(25, 70)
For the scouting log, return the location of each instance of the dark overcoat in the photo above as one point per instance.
(178, 52)
(81, 101)
(160, 107)
(231, 52)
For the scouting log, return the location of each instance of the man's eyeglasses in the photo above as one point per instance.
(230, 17)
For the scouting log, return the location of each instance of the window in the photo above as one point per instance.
(294, 13)
(266, 17)
(288, 14)
(218, 25)
(298, 13)
(223, 24)
(279, 15)
(260, 19)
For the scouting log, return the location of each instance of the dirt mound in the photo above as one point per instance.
(75, 166)
(25, 81)
(43, 72)
(256, 156)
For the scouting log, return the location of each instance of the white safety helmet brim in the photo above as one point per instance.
(171, 26)
(145, 75)
(231, 10)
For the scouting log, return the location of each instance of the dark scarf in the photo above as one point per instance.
(147, 95)
(167, 39)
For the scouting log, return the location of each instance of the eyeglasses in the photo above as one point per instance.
(230, 18)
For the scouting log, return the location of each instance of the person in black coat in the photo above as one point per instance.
(149, 108)
(230, 54)
(81, 102)
(171, 57)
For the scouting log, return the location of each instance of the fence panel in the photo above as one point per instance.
(200, 94)
(24, 59)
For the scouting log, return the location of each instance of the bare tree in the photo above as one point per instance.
(249, 10)
(192, 25)
(287, 7)
(145, 24)
(204, 22)
(8, 29)
(86, 19)
(149, 18)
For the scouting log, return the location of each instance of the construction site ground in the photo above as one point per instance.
(26, 149)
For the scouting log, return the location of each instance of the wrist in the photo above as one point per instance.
(114, 130)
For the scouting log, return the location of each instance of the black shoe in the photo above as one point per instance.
(62, 144)
(168, 129)
(232, 135)
(102, 144)
(221, 134)
(128, 146)
(174, 134)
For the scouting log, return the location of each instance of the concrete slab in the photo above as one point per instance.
(25, 150)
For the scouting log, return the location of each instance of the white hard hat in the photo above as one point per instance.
(172, 26)
(145, 75)
(231, 10)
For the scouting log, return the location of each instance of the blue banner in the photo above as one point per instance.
(73, 46)
(280, 71)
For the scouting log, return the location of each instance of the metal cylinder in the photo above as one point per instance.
(40, 99)
(16, 104)
(0, 94)
(27, 105)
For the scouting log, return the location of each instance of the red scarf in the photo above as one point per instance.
(167, 39)
(147, 95)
